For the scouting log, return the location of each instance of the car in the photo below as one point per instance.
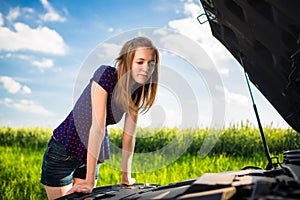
(264, 37)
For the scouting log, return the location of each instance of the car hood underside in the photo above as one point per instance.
(264, 37)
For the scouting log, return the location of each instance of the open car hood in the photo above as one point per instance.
(264, 37)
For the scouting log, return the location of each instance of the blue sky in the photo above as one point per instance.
(44, 45)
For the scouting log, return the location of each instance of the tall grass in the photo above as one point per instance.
(25, 137)
(234, 141)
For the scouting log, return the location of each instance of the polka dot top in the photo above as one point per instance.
(73, 132)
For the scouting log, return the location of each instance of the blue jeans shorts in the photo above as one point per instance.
(59, 168)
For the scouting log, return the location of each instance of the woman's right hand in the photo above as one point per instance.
(127, 181)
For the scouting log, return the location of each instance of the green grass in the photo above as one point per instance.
(21, 152)
(20, 173)
(21, 168)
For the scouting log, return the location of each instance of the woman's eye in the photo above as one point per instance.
(151, 65)
(140, 63)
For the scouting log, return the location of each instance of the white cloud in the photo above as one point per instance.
(28, 10)
(161, 32)
(20, 36)
(1, 20)
(41, 39)
(4, 56)
(110, 50)
(25, 106)
(13, 86)
(234, 98)
(166, 6)
(51, 14)
(21, 56)
(191, 28)
(26, 90)
(43, 64)
(10, 85)
(13, 14)
(191, 8)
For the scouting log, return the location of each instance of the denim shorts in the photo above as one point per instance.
(59, 168)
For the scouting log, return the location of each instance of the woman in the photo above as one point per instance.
(80, 143)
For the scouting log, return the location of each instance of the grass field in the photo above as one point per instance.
(21, 151)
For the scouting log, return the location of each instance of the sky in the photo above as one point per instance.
(49, 49)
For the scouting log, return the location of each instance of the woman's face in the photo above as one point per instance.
(143, 65)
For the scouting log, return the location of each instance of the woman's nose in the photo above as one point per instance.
(145, 67)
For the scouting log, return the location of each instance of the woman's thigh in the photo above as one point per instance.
(56, 192)
(58, 167)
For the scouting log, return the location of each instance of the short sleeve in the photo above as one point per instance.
(105, 76)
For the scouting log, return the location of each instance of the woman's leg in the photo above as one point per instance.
(56, 192)
(57, 170)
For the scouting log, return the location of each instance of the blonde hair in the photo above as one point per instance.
(142, 98)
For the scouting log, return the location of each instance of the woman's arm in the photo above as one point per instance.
(128, 143)
(97, 131)
(96, 135)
